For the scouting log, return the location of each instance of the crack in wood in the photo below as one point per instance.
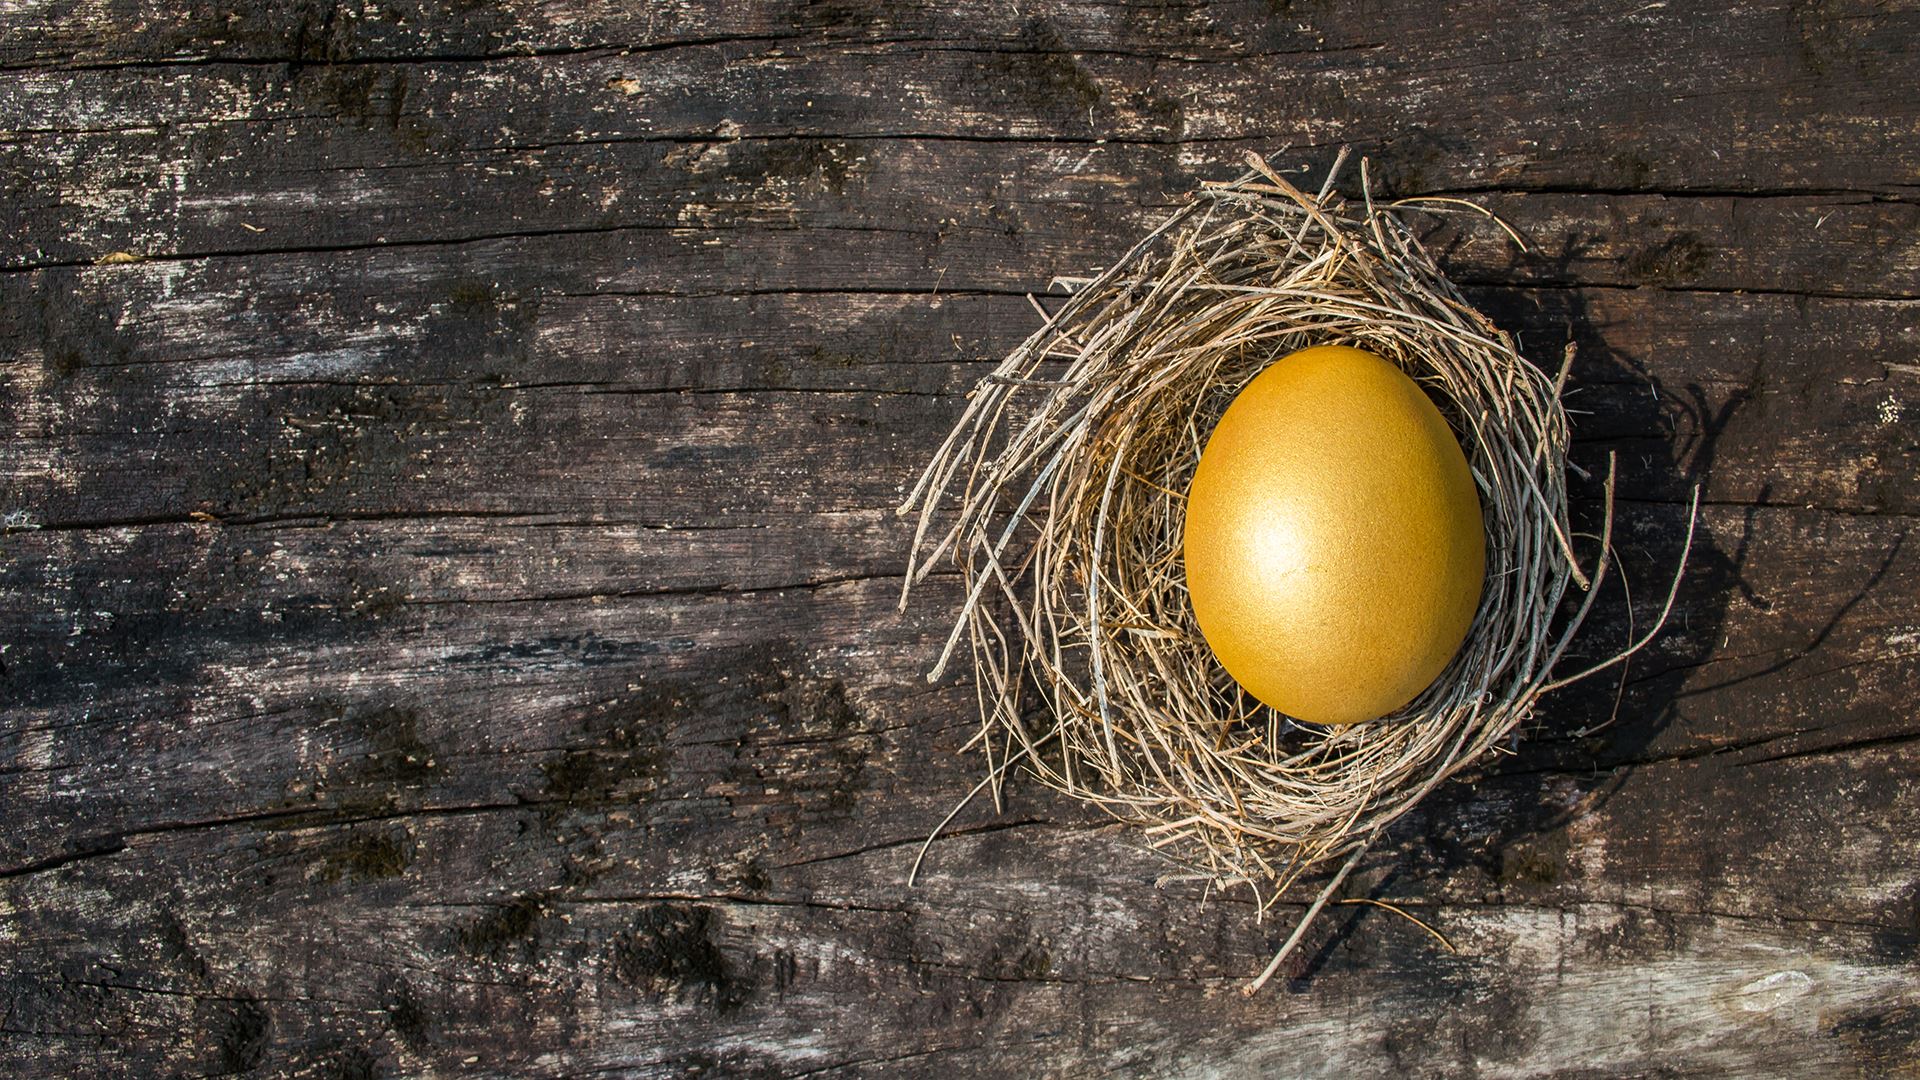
(949, 834)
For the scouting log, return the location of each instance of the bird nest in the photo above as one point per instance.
(1060, 495)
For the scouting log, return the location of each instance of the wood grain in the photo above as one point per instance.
(448, 568)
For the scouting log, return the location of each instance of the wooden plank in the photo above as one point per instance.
(295, 649)
(1015, 939)
(1080, 207)
(447, 584)
(231, 161)
(418, 382)
(351, 149)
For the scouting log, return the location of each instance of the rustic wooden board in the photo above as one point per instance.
(448, 572)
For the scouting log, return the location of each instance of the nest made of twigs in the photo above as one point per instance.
(1060, 494)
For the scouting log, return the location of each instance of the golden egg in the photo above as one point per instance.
(1334, 549)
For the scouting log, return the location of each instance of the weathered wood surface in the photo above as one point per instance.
(447, 583)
